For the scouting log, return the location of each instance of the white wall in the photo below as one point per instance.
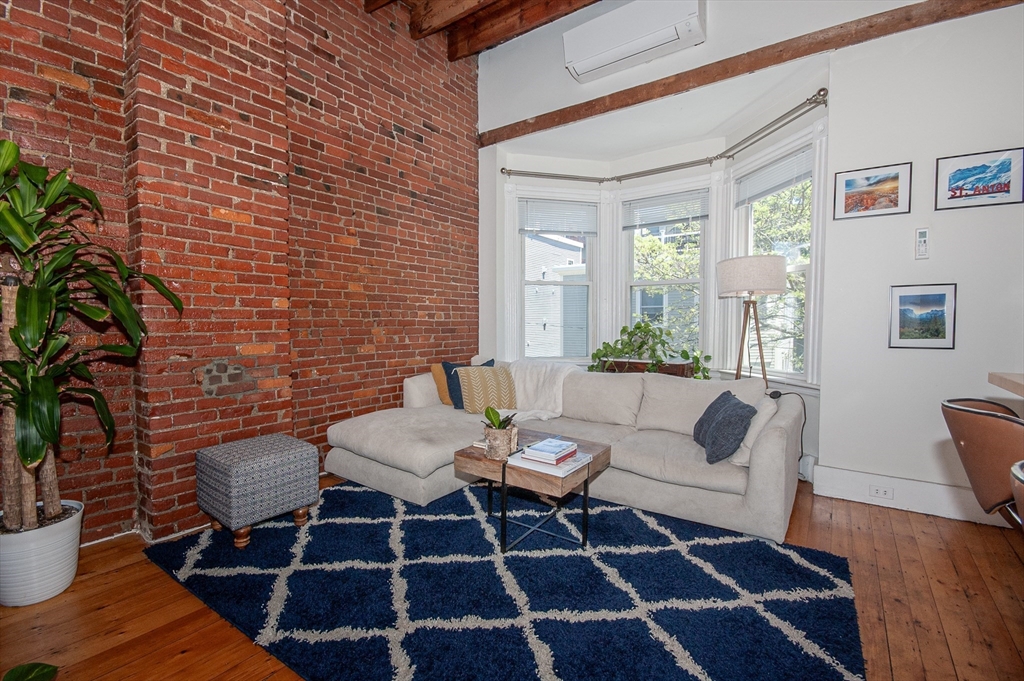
(527, 76)
(948, 89)
(952, 88)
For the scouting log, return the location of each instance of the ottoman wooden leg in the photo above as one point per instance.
(242, 536)
(217, 527)
(301, 515)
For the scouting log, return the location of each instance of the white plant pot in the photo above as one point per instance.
(41, 563)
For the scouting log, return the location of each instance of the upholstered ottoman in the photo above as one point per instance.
(247, 481)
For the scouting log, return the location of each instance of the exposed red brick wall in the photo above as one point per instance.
(383, 233)
(61, 76)
(302, 173)
(208, 210)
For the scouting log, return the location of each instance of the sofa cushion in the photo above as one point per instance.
(677, 459)
(452, 377)
(602, 398)
(484, 387)
(721, 427)
(673, 403)
(418, 441)
(766, 409)
(441, 381)
(573, 428)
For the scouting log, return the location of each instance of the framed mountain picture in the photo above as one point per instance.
(986, 179)
(922, 316)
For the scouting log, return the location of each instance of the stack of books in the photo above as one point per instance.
(552, 451)
(552, 456)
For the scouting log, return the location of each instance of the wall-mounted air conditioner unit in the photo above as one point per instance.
(633, 34)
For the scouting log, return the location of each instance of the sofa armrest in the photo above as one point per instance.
(774, 468)
(419, 391)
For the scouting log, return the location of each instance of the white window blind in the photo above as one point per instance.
(770, 179)
(659, 211)
(564, 217)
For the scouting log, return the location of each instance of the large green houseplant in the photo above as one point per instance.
(645, 347)
(53, 271)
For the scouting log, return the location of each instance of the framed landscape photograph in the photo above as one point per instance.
(884, 190)
(922, 316)
(986, 179)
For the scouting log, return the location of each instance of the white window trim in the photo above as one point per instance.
(623, 264)
(816, 136)
(511, 341)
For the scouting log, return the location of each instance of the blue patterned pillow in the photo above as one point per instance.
(722, 426)
(454, 386)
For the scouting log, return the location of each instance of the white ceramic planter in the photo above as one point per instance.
(41, 563)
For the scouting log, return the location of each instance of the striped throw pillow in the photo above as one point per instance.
(484, 387)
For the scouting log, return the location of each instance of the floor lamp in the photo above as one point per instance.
(746, 277)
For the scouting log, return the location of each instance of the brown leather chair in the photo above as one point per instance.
(989, 438)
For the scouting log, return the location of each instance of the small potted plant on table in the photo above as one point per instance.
(502, 437)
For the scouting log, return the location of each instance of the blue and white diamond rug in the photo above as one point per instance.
(375, 588)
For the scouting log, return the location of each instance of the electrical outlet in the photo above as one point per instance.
(880, 492)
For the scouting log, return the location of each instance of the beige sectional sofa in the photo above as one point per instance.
(647, 418)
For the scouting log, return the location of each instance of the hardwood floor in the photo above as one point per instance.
(936, 599)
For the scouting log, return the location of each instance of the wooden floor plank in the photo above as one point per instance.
(819, 530)
(904, 651)
(868, 596)
(995, 637)
(1003, 574)
(842, 536)
(157, 630)
(938, 665)
(255, 668)
(964, 637)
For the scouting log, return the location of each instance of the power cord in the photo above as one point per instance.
(776, 394)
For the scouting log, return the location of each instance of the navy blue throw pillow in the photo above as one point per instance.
(452, 376)
(722, 426)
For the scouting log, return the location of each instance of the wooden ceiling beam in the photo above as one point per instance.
(431, 16)
(833, 38)
(374, 5)
(504, 20)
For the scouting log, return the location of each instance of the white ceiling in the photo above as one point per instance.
(720, 110)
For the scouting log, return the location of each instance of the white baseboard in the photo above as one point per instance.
(946, 501)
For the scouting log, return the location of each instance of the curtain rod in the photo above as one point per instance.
(819, 98)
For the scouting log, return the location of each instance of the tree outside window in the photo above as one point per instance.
(666, 263)
(781, 225)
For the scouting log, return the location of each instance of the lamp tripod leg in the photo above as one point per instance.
(743, 335)
(760, 349)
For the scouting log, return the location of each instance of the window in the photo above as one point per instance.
(777, 201)
(665, 286)
(556, 239)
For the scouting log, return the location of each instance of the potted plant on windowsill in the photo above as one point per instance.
(645, 347)
(51, 271)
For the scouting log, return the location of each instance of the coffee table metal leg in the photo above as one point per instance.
(490, 496)
(586, 509)
(504, 507)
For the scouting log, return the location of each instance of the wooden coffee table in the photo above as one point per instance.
(471, 461)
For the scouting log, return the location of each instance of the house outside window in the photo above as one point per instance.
(665, 273)
(775, 207)
(556, 276)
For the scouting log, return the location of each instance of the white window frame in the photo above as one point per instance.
(622, 315)
(816, 137)
(513, 338)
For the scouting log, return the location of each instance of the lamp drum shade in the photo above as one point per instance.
(752, 275)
